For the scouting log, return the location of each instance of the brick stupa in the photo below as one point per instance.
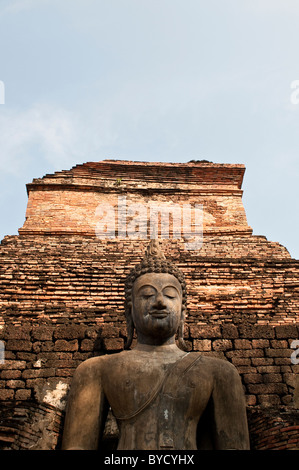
(62, 295)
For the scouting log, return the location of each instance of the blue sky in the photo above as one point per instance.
(153, 80)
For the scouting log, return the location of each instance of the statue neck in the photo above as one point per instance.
(163, 348)
(154, 341)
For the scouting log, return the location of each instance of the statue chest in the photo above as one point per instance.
(166, 391)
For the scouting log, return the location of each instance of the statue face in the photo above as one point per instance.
(156, 306)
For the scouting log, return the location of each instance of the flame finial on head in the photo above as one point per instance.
(154, 250)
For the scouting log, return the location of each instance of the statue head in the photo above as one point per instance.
(167, 308)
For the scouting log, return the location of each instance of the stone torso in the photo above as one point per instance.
(154, 394)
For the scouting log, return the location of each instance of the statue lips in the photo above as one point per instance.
(159, 313)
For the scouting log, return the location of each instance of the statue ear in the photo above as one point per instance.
(181, 341)
(183, 314)
(130, 329)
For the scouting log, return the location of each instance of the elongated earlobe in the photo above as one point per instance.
(181, 341)
(130, 332)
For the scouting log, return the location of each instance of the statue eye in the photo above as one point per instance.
(170, 292)
(147, 293)
(147, 296)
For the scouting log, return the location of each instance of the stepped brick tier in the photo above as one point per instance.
(62, 294)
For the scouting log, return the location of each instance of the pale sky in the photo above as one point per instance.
(153, 80)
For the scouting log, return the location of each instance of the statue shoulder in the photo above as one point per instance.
(89, 366)
(97, 365)
(220, 368)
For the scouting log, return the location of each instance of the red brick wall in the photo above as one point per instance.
(63, 303)
(66, 202)
(274, 432)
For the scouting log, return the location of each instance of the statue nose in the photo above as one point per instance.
(159, 303)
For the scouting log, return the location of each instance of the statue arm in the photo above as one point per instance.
(86, 410)
(230, 429)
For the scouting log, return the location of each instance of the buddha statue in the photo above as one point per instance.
(162, 396)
